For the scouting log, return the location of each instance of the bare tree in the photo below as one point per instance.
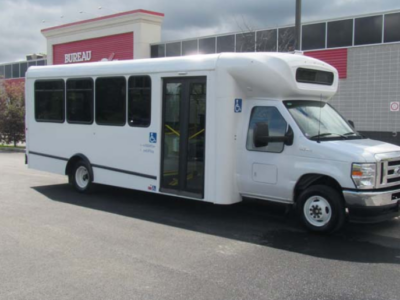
(264, 40)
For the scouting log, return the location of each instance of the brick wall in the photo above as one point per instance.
(113, 47)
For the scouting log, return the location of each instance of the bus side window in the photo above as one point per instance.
(111, 101)
(80, 101)
(139, 101)
(50, 101)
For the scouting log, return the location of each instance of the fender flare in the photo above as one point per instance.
(310, 179)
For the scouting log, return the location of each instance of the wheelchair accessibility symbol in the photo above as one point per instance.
(238, 105)
(153, 138)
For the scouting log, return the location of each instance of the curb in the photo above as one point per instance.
(12, 150)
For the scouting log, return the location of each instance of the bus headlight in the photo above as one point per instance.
(364, 175)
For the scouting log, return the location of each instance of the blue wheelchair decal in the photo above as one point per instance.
(238, 105)
(153, 137)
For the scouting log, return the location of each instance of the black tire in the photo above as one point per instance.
(313, 209)
(82, 182)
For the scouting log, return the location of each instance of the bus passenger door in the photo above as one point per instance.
(183, 136)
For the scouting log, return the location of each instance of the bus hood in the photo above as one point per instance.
(357, 150)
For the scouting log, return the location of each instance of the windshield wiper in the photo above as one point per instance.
(327, 134)
(356, 134)
(350, 133)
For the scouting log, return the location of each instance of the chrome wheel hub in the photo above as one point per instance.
(82, 177)
(317, 211)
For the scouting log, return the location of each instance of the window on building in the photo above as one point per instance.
(31, 63)
(276, 124)
(23, 68)
(8, 71)
(368, 30)
(313, 36)
(246, 42)
(139, 101)
(15, 71)
(42, 62)
(158, 51)
(49, 101)
(226, 43)
(207, 46)
(2, 72)
(267, 40)
(340, 33)
(80, 101)
(287, 39)
(111, 101)
(189, 47)
(174, 49)
(392, 28)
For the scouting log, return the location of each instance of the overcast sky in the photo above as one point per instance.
(22, 20)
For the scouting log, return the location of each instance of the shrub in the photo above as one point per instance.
(12, 112)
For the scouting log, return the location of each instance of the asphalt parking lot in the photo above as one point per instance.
(122, 244)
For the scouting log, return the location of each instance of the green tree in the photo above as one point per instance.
(12, 112)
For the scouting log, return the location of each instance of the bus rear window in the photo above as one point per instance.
(139, 101)
(49, 101)
(314, 76)
(111, 101)
(80, 101)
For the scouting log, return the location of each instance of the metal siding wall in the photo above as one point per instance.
(373, 82)
(336, 58)
(120, 44)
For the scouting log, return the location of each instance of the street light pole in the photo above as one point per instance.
(298, 25)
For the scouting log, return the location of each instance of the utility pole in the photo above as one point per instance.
(298, 25)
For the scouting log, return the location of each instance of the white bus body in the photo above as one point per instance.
(198, 143)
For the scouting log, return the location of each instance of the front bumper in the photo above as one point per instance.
(371, 198)
(372, 206)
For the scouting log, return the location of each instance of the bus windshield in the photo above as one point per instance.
(319, 120)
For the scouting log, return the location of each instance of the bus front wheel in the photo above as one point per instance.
(80, 177)
(321, 209)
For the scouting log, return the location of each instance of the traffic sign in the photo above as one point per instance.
(394, 106)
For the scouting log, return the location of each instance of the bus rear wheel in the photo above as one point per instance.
(80, 177)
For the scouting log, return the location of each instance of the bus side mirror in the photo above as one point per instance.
(352, 124)
(260, 134)
(289, 136)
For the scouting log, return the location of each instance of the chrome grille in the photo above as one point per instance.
(388, 169)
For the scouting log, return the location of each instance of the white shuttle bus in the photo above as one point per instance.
(215, 128)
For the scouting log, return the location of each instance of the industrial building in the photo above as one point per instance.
(365, 49)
